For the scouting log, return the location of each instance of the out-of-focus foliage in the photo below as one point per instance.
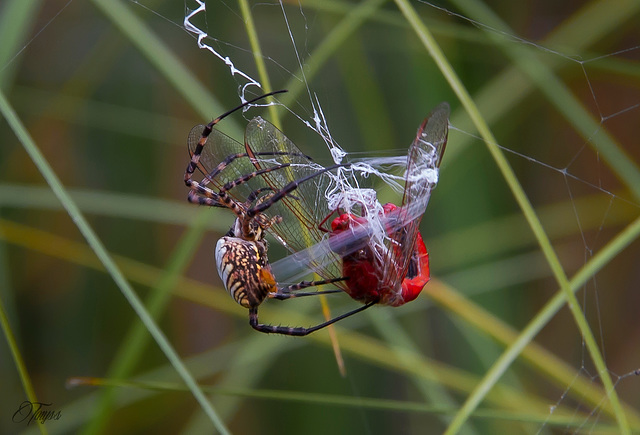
(111, 110)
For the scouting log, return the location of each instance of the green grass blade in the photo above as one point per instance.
(499, 96)
(135, 341)
(356, 16)
(167, 63)
(258, 58)
(98, 248)
(631, 233)
(27, 385)
(16, 17)
(110, 204)
(603, 20)
(476, 397)
(568, 419)
(403, 360)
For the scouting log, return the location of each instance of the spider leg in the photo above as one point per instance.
(202, 195)
(286, 190)
(213, 173)
(306, 284)
(286, 292)
(206, 196)
(266, 224)
(195, 198)
(297, 330)
(210, 176)
(245, 178)
(195, 158)
(197, 188)
(285, 296)
(254, 195)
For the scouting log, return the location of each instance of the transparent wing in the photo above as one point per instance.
(294, 267)
(223, 159)
(423, 161)
(390, 235)
(306, 207)
(321, 256)
(216, 156)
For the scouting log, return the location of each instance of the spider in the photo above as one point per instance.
(241, 255)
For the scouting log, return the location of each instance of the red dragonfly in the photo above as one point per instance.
(271, 186)
(381, 250)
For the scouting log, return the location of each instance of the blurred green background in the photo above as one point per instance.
(109, 90)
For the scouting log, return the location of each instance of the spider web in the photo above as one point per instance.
(582, 180)
(598, 149)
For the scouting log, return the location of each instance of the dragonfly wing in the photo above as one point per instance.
(306, 207)
(215, 156)
(423, 161)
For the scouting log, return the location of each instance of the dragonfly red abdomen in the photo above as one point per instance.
(418, 273)
(373, 270)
